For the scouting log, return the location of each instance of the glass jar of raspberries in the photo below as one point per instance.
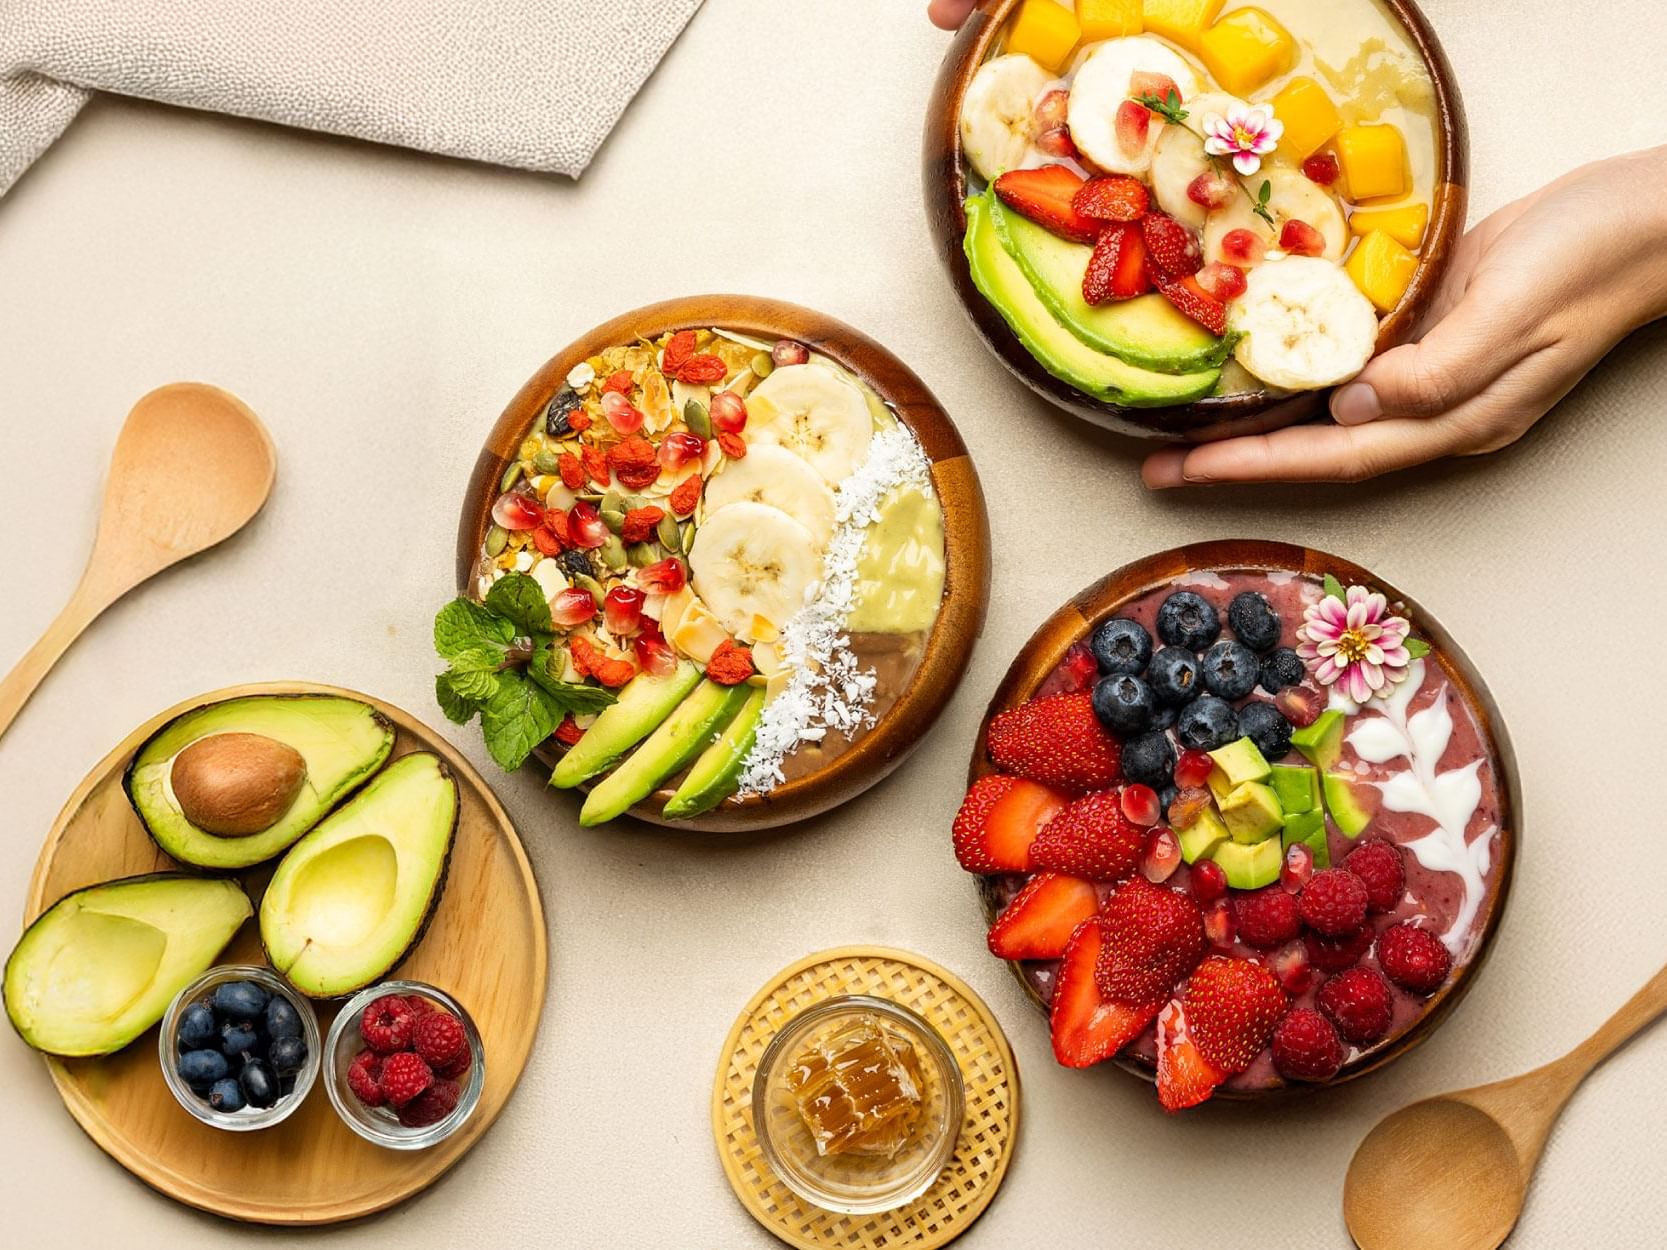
(405, 1064)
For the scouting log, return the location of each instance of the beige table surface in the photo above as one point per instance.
(377, 308)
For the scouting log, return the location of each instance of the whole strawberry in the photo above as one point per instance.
(1379, 867)
(1268, 917)
(439, 1039)
(1057, 741)
(386, 1024)
(1090, 838)
(1306, 1047)
(404, 1076)
(431, 1106)
(1360, 1003)
(1232, 1006)
(1413, 958)
(1151, 938)
(1334, 902)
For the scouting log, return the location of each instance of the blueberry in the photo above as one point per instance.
(197, 1027)
(1229, 670)
(1187, 620)
(1163, 717)
(241, 1000)
(1283, 668)
(1121, 646)
(1123, 703)
(282, 1020)
(1263, 724)
(286, 1055)
(239, 1039)
(1149, 759)
(201, 1068)
(576, 563)
(1166, 796)
(1253, 621)
(1207, 724)
(260, 1087)
(1173, 675)
(226, 1095)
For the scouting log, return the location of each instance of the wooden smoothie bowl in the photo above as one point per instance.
(884, 745)
(1106, 597)
(944, 174)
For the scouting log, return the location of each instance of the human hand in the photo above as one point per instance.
(1536, 295)
(949, 14)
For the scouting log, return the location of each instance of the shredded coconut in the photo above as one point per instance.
(827, 689)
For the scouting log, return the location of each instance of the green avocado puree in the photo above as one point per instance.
(900, 574)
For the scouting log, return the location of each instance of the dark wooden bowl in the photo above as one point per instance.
(944, 173)
(966, 535)
(1106, 597)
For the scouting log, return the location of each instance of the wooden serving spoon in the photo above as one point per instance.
(192, 465)
(1453, 1171)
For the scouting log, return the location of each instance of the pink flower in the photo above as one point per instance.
(1355, 644)
(1247, 133)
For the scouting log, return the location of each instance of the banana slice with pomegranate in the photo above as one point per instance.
(1294, 196)
(752, 560)
(1305, 324)
(996, 113)
(1101, 87)
(1177, 161)
(775, 476)
(1239, 213)
(814, 413)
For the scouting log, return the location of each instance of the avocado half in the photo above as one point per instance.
(101, 965)
(354, 895)
(341, 742)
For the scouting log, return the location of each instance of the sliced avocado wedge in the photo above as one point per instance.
(1322, 742)
(353, 896)
(1098, 374)
(715, 774)
(1147, 331)
(642, 705)
(683, 735)
(1250, 867)
(101, 965)
(1351, 805)
(1200, 839)
(340, 741)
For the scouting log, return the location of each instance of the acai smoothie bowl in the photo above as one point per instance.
(1190, 218)
(721, 565)
(1244, 819)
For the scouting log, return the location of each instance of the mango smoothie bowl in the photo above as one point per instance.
(1186, 219)
(721, 565)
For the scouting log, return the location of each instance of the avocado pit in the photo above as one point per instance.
(236, 784)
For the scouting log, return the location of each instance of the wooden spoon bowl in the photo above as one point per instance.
(960, 619)
(945, 173)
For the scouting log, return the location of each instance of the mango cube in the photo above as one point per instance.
(1309, 115)
(1246, 49)
(1382, 269)
(1406, 225)
(1045, 31)
(1373, 160)
(1108, 19)
(1181, 21)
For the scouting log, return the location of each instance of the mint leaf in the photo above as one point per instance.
(520, 601)
(458, 709)
(486, 658)
(463, 623)
(582, 700)
(477, 686)
(544, 669)
(1417, 648)
(1333, 587)
(516, 719)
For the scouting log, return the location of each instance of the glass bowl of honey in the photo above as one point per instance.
(858, 1104)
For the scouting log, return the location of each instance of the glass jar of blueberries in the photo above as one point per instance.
(239, 1048)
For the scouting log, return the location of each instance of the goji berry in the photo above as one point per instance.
(686, 496)
(640, 523)
(678, 350)
(583, 653)
(732, 445)
(546, 541)
(634, 462)
(568, 732)
(572, 472)
(612, 672)
(596, 465)
(578, 420)
(702, 370)
(620, 380)
(730, 664)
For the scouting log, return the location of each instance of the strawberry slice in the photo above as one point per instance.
(1092, 839)
(1112, 198)
(1193, 300)
(1088, 1028)
(1153, 937)
(1175, 250)
(1134, 124)
(999, 819)
(1038, 923)
(1301, 239)
(1185, 1077)
(1117, 269)
(1044, 195)
(1232, 1007)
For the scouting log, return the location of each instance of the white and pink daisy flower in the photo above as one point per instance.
(1247, 133)
(1355, 644)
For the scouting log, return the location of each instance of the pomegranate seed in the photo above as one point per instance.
(1162, 857)
(515, 511)
(1078, 670)
(1140, 804)
(1193, 769)
(1290, 964)
(728, 412)
(1301, 239)
(1219, 925)
(1058, 142)
(1187, 806)
(787, 352)
(586, 526)
(621, 413)
(1242, 248)
(1224, 282)
(1211, 189)
(1051, 110)
(1301, 705)
(622, 610)
(1134, 123)
(1321, 168)
(572, 607)
(678, 449)
(654, 654)
(663, 578)
(1147, 83)
(1298, 867)
(1209, 882)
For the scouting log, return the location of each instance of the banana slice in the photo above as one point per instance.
(1177, 160)
(750, 559)
(1237, 214)
(1101, 86)
(1294, 196)
(1305, 324)
(996, 122)
(815, 414)
(775, 476)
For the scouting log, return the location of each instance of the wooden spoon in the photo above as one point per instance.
(192, 465)
(1453, 1171)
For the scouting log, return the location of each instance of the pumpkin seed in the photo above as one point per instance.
(586, 582)
(612, 552)
(688, 536)
(697, 419)
(496, 539)
(762, 365)
(641, 555)
(613, 501)
(614, 518)
(512, 475)
(547, 462)
(668, 534)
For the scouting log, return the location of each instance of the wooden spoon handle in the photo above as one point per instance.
(83, 607)
(1638, 1011)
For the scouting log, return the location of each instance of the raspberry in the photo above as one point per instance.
(1413, 958)
(457, 1067)
(386, 1024)
(1330, 954)
(364, 1077)
(1360, 1003)
(431, 1106)
(1334, 902)
(1268, 917)
(419, 1005)
(438, 1039)
(1378, 865)
(1306, 1047)
(404, 1076)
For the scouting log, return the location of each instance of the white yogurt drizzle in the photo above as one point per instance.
(1450, 798)
(827, 689)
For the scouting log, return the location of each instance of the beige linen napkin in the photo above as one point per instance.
(537, 84)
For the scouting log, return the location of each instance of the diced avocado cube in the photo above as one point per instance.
(1351, 805)
(1221, 785)
(1240, 761)
(1298, 787)
(1252, 812)
(1309, 829)
(1250, 867)
(1321, 742)
(1203, 837)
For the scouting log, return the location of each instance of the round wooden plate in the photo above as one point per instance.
(485, 946)
(944, 173)
(1106, 597)
(966, 535)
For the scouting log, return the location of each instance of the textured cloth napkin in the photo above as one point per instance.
(536, 84)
